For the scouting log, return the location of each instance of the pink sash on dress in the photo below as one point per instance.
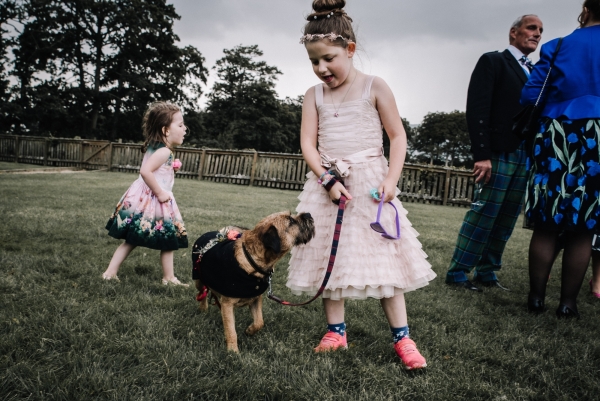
(342, 166)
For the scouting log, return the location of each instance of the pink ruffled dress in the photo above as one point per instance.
(366, 265)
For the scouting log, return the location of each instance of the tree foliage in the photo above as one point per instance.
(8, 12)
(243, 109)
(442, 138)
(409, 135)
(90, 67)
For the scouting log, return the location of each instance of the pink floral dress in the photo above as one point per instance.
(141, 220)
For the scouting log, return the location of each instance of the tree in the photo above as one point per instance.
(8, 12)
(100, 61)
(409, 135)
(243, 107)
(443, 138)
(290, 119)
(30, 51)
(148, 66)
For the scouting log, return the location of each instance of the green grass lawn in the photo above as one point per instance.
(65, 334)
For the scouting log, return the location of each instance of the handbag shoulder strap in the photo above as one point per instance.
(549, 70)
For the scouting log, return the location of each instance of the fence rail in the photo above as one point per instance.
(419, 183)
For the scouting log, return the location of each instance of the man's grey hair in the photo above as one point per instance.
(519, 21)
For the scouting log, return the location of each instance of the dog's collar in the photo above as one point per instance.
(254, 265)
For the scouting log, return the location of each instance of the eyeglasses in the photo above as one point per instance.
(376, 225)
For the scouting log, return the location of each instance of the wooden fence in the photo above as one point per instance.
(419, 183)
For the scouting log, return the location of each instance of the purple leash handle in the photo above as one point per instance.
(376, 225)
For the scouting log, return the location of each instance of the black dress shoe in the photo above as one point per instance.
(535, 305)
(493, 284)
(564, 311)
(467, 285)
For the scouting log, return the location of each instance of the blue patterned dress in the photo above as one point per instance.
(564, 176)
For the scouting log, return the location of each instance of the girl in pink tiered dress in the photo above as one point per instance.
(147, 214)
(341, 135)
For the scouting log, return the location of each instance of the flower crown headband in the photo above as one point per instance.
(309, 37)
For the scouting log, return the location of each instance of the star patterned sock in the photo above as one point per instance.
(398, 333)
(339, 328)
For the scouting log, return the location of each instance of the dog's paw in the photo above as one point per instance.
(253, 329)
(233, 348)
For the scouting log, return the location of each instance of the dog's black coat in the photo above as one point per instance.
(219, 270)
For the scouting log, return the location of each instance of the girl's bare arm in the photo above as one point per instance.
(153, 163)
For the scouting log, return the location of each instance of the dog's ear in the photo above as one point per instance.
(271, 241)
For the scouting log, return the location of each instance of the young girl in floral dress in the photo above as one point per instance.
(147, 215)
(341, 140)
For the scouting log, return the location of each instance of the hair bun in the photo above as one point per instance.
(329, 18)
(321, 6)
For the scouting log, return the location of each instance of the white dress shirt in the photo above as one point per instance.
(517, 54)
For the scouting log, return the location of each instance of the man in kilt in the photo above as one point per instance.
(499, 155)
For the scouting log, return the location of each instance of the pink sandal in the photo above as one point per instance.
(108, 277)
(174, 281)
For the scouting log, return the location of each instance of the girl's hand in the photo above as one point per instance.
(164, 196)
(336, 192)
(389, 188)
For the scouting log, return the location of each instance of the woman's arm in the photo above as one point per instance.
(392, 122)
(308, 143)
(532, 88)
(147, 172)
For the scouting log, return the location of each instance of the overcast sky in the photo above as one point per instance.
(425, 50)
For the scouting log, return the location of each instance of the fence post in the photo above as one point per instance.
(81, 158)
(109, 157)
(253, 170)
(17, 147)
(201, 165)
(446, 187)
(46, 151)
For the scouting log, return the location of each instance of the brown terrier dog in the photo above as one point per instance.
(235, 264)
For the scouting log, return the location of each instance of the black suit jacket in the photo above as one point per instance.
(492, 102)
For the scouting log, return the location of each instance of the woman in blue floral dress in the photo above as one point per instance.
(564, 166)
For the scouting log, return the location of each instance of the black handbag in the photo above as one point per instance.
(525, 124)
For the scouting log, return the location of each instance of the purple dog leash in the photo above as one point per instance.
(376, 225)
(334, 244)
